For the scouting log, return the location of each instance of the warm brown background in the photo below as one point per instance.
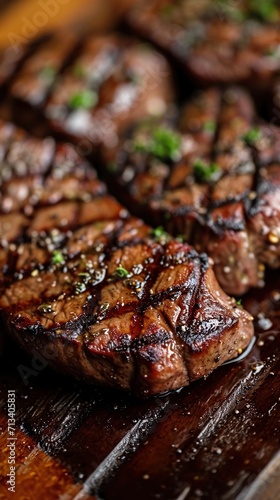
(15, 15)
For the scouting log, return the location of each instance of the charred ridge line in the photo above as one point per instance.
(70, 57)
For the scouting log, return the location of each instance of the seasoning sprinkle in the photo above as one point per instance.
(163, 144)
(45, 308)
(84, 99)
(252, 136)
(159, 234)
(209, 126)
(121, 272)
(204, 172)
(57, 257)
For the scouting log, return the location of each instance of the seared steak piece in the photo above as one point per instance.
(212, 178)
(215, 42)
(88, 91)
(95, 291)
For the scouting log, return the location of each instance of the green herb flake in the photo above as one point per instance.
(48, 73)
(204, 172)
(84, 99)
(85, 276)
(159, 232)
(80, 288)
(79, 71)
(239, 302)
(264, 10)
(121, 272)
(57, 257)
(209, 126)
(163, 144)
(252, 136)
(160, 235)
(112, 167)
(45, 308)
(181, 238)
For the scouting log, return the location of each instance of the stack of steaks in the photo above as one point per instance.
(96, 291)
(212, 177)
(113, 297)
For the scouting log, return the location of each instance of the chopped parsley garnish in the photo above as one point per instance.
(160, 235)
(80, 288)
(252, 136)
(48, 73)
(209, 126)
(181, 238)
(159, 232)
(84, 275)
(265, 10)
(79, 70)
(239, 302)
(45, 308)
(57, 257)
(121, 272)
(163, 144)
(84, 99)
(112, 167)
(204, 172)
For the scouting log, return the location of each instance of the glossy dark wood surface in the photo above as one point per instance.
(218, 438)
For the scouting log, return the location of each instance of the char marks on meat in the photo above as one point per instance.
(215, 42)
(96, 291)
(87, 91)
(211, 177)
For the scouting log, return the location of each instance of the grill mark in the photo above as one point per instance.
(213, 140)
(78, 327)
(115, 58)
(180, 335)
(25, 239)
(70, 57)
(194, 306)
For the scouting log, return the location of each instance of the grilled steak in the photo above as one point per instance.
(96, 291)
(95, 90)
(215, 42)
(212, 177)
(88, 91)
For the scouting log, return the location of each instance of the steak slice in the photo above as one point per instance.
(87, 91)
(212, 177)
(97, 292)
(214, 42)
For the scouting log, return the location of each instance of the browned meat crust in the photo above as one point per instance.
(215, 42)
(87, 91)
(95, 290)
(218, 187)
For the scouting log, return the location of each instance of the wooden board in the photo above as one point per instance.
(217, 439)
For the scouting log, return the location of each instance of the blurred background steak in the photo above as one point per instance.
(207, 173)
(215, 42)
(212, 177)
(87, 90)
